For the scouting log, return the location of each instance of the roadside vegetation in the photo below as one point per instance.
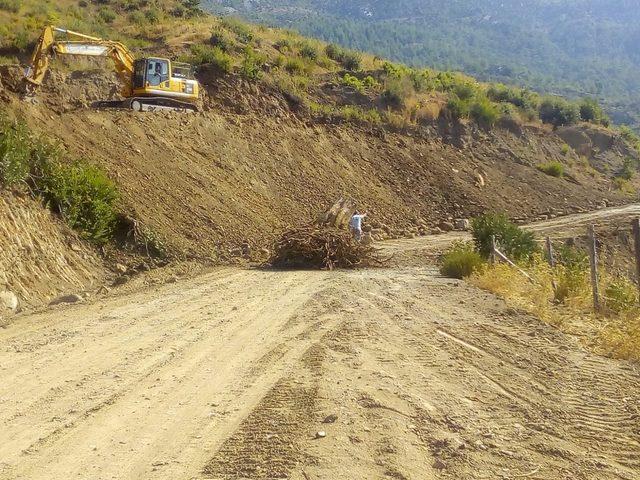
(559, 295)
(81, 193)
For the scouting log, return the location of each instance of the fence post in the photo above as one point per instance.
(552, 260)
(636, 236)
(593, 261)
(494, 247)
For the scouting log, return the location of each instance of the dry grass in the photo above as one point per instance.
(614, 332)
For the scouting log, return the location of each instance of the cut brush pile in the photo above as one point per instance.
(322, 247)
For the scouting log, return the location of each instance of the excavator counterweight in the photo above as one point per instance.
(147, 84)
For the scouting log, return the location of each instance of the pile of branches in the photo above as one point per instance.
(322, 247)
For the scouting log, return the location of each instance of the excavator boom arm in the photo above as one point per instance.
(85, 45)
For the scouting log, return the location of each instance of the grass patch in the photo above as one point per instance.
(569, 306)
(553, 169)
(461, 261)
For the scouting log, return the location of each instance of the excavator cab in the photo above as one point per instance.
(160, 77)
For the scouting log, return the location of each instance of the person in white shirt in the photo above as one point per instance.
(356, 225)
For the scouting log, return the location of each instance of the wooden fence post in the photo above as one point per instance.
(494, 247)
(593, 261)
(552, 260)
(636, 236)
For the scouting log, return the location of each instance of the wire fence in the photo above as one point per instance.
(594, 246)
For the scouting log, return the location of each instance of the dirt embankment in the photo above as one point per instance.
(39, 257)
(251, 163)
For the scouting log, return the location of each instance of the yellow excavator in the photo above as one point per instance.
(147, 84)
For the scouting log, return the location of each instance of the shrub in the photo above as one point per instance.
(12, 6)
(553, 169)
(283, 45)
(221, 40)
(521, 98)
(628, 169)
(308, 51)
(351, 113)
(81, 193)
(620, 295)
(242, 30)
(252, 63)
(591, 111)
(351, 61)
(461, 261)
(485, 112)
(152, 15)
(456, 108)
(514, 242)
(397, 91)
(294, 66)
(107, 15)
(202, 54)
(565, 149)
(15, 153)
(558, 112)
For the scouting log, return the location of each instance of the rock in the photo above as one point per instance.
(246, 249)
(330, 418)
(439, 464)
(321, 434)
(462, 224)
(121, 280)
(9, 301)
(446, 226)
(121, 268)
(236, 252)
(73, 298)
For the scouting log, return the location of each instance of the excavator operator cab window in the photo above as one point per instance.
(157, 72)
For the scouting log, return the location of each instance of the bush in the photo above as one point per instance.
(294, 66)
(397, 91)
(485, 112)
(106, 15)
(309, 52)
(15, 153)
(591, 111)
(461, 261)
(523, 99)
(12, 6)
(81, 193)
(456, 108)
(202, 54)
(553, 169)
(558, 112)
(514, 242)
(620, 295)
(252, 63)
(221, 40)
(629, 167)
(242, 30)
(349, 60)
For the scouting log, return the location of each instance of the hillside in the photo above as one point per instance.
(416, 148)
(574, 48)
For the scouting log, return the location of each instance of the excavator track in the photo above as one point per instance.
(148, 104)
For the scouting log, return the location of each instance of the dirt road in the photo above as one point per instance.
(233, 374)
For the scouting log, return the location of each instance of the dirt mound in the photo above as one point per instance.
(324, 248)
(39, 257)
